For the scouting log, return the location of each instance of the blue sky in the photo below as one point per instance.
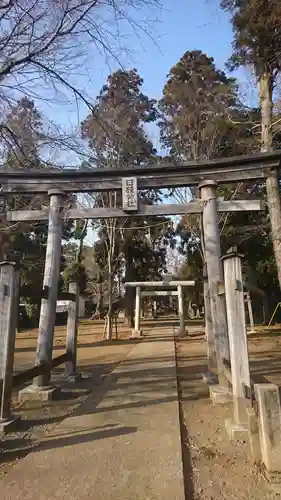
(187, 25)
(182, 25)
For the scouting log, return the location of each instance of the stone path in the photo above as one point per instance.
(123, 443)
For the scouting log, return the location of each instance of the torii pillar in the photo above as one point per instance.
(209, 331)
(41, 389)
(137, 331)
(212, 246)
(182, 331)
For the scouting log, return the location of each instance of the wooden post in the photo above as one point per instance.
(154, 308)
(250, 312)
(41, 385)
(136, 331)
(238, 344)
(81, 307)
(9, 293)
(215, 279)
(71, 335)
(181, 311)
(209, 332)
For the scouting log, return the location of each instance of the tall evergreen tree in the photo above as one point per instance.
(257, 42)
(197, 101)
(22, 139)
(117, 138)
(115, 128)
(21, 131)
(211, 123)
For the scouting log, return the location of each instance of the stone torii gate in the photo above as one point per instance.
(206, 175)
(166, 288)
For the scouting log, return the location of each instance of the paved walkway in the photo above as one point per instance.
(122, 444)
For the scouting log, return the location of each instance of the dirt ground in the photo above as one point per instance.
(214, 467)
(96, 359)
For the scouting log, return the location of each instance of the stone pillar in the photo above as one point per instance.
(71, 335)
(215, 279)
(209, 333)
(137, 331)
(41, 388)
(181, 311)
(238, 344)
(9, 294)
(268, 400)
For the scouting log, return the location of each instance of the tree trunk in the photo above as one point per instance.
(129, 293)
(272, 184)
(110, 309)
(143, 310)
(99, 308)
(81, 242)
(265, 311)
